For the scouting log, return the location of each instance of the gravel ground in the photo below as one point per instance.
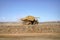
(6, 28)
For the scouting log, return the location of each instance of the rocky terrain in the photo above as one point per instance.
(18, 31)
(13, 28)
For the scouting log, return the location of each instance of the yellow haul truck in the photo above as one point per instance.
(29, 20)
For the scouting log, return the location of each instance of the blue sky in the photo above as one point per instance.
(12, 10)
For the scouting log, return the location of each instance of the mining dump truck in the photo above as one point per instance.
(29, 20)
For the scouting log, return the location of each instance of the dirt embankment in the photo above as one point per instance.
(29, 30)
(13, 28)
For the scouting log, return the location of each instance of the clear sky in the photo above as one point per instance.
(12, 10)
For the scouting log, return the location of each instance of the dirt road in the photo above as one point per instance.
(31, 36)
